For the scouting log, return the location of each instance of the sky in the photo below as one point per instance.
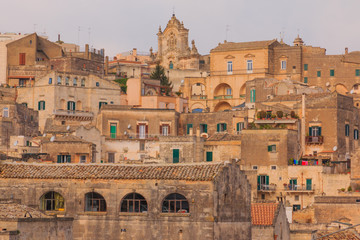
(118, 25)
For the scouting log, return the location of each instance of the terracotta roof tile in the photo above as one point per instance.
(263, 213)
(344, 235)
(231, 46)
(190, 172)
(15, 210)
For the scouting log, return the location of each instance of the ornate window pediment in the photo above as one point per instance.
(229, 57)
(249, 55)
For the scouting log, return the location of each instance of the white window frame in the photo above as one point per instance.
(249, 66)
(142, 131)
(229, 67)
(228, 91)
(59, 80)
(315, 131)
(5, 112)
(283, 64)
(165, 130)
(82, 158)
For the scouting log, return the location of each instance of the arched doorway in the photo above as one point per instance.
(222, 106)
(223, 91)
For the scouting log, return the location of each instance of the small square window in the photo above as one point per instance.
(97, 84)
(273, 167)
(272, 148)
(296, 197)
(255, 167)
(332, 72)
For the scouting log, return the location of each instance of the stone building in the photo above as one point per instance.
(269, 221)
(67, 98)
(20, 222)
(15, 119)
(193, 201)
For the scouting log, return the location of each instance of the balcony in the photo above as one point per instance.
(267, 188)
(241, 71)
(223, 97)
(314, 140)
(299, 188)
(198, 97)
(74, 115)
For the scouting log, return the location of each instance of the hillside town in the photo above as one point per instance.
(254, 140)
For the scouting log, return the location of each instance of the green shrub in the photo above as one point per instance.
(279, 114)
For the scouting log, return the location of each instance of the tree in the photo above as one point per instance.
(159, 74)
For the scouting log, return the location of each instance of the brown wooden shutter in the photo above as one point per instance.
(146, 131)
(160, 129)
(168, 129)
(137, 130)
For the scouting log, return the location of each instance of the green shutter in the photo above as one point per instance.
(218, 127)
(305, 67)
(69, 158)
(176, 154)
(319, 131)
(74, 106)
(39, 105)
(357, 72)
(44, 105)
(238, 127)
(113, 131)
(310, 131)
(308, 184)
(305, 79)
(188, 126)
(58, 158)
(205, 128)
(258, 182)
(332, 72)
(267, 180)
(269, 148)
(319, 73)
(68, 106)
(209, 156)
(224, 126)
(99, 105)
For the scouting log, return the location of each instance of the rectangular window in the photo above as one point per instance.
(165, 130)
(305, 67)
(67, 81)
(221, 127)
(5, 112)
(309, 184)
(315, 131)
(41, 105)
(272, 148)
(111, 157)
(188, 126)
(228, 91)
(209, 156)
(142, 145)
(347, 130)
(64, 159)
(356, 134)
(59, 80)
(332, 72)
(229, 67)
(240, 126)
(263, 182)
(252, 95)
(318, 73)
(305, 79)
(142, 131)
(113, 130)
(249, 65)
(283, 65)
(71, 106)
(50, 81)
(203, 128)
(97, 84)
(357, 72)
(176, 155)
(254, 167)
(296, 207)
(82, 159)
(293, 184)
(22, 58)
(273, 167)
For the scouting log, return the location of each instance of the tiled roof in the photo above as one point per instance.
(263, 213)
(15, 210)
(223, 137)
(344, 235)
(231, 46)
(190, 172)
(69, 138)
(298, 97)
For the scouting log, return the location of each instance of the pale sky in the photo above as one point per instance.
(119, 25)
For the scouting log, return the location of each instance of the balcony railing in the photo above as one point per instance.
(223, 97)
(241, 71)
(314, 140)
(196, 97)
(299, 188)
(266, 188)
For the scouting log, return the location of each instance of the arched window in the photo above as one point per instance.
(94, 202)
(59, 80)
(83, 82)
(133, 202)
(75, 82)
(175, 203)
(52, 201)
(67, 81)
(5, 112)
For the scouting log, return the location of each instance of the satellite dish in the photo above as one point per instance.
(52, 139)
(44, 135)
(352, 91)
(125, 132)
(182, 81)
(334, 148)
(327, 84)
(16, 143)
(129, 126)
(67, 128)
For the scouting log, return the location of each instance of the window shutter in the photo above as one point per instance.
(146, 130)
(269, 148)
(224, 126)
(69, 158)
(99, 105)
(160, 129)
(218, 127)
(168, 129)
(74, 106)
(58, 158)
(267, 180)
(319, 131)
(258, 182)
(44, 105)
(68, 105)
(137, 130)
(39, 105)
(205, 128)
(238, 127)
(310, 131)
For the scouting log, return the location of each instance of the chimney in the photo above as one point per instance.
(106, 65)
(134, 52)
(346, 51)
(87, 51)
(59, 38)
